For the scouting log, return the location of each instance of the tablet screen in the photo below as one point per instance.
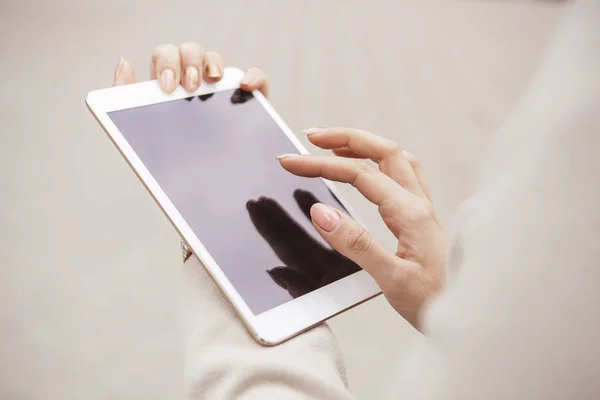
(215, 158)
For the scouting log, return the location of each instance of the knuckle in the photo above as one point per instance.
(359, 241)
(408, 215)
(421, 211)
(363, 166)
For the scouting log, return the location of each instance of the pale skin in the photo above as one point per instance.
(416, 271)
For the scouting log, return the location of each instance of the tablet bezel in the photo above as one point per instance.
(277, 324)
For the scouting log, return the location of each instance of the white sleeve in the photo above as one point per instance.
(520, 318)
(222, 361)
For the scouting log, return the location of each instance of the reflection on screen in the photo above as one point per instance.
(214, 157)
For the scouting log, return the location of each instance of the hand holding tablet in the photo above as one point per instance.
(211, 155)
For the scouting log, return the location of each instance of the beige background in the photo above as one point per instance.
(87, 291)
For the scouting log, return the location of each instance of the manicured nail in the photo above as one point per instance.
(326, 217)
(191, 77)
(167, 80)
(282, 156)
(118, 69)
(312, 131)
(213, 71)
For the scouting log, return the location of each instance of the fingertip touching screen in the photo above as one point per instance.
(215, 158)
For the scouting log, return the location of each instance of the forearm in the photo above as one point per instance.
(222, 360)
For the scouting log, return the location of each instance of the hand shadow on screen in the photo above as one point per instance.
(240, 96)
(308, 264)
(202, 97)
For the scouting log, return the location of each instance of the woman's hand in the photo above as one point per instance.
(416, 271)
(188, 65)
(409, 277)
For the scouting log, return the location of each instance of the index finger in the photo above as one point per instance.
(385, 152)
(377, 187)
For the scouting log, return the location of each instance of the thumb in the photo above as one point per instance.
(349, 238)
(123, 73)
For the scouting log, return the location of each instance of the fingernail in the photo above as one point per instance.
(213, 71)
(118, 69)
(282, 156)
(191, 77)
(167, 80)
(326, 217)
(312, 131)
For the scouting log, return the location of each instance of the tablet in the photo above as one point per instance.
(208, 159)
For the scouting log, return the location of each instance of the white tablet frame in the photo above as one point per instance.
(277, 324)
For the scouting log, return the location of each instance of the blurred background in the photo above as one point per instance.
(88, 267)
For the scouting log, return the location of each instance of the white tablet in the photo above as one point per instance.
(209, 160)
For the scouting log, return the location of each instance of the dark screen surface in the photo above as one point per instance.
(215, 158)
